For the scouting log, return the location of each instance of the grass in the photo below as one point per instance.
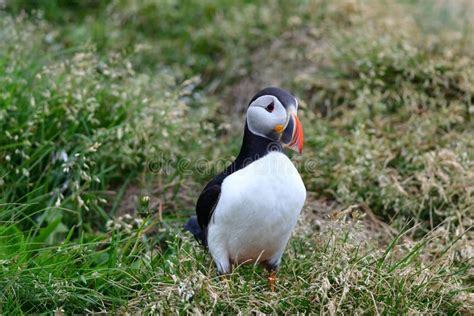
(326, 272)
(114, 115)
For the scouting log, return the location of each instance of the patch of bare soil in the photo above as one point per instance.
(158, 198)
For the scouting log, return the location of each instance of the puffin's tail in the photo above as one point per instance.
(192, 226)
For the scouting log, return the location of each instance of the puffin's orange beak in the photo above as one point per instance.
(293, 137)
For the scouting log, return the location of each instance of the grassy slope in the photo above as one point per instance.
(387, 114)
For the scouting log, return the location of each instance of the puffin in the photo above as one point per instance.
(246, 214)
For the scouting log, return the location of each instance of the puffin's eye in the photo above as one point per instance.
(270, 107)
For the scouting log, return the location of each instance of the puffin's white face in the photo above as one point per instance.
(267, 117)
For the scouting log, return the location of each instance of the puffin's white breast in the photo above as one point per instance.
(257, 210)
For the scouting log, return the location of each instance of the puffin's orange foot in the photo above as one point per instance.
(272, 280)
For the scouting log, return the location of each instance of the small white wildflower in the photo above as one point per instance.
(63, 155)
(25, 172)
(138, 221)
(80, 201)
(46, 94)
(109, 224)
(94, 147)
(75, 185)
(85, 176)
(59, 311)
(8, 158)
(128, 227)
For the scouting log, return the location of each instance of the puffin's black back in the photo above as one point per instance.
(253, 148)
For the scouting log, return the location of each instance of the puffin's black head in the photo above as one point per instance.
(272, 113)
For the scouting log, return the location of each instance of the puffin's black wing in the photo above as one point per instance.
(205, 206)
(207, 203)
